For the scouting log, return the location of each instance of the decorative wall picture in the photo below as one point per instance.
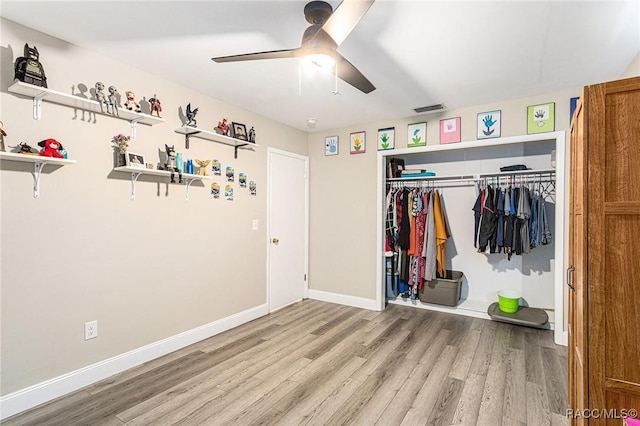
(450, 130)
(134, 160)
(239, 131)
(215, 190)
(230, 174)
(252, 188)
(489, 124)
(417, 134)
(216, 168)
(541, 118)
(242, 180)
(331, 145)
(573, 104)
(386, 138)
(358, 143)
(228, 193)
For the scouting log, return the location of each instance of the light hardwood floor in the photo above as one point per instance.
(318, 363)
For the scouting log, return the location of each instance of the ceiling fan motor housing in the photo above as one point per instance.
(317, 12)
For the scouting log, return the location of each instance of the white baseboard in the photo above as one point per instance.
(40, 393)
(343, 299)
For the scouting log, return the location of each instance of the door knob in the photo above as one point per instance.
(275, 241)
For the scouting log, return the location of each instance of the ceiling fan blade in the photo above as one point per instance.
(345, 18)
(273, 54)
(351, 75)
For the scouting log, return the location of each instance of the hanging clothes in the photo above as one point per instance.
(488, 220)
(429, 248)
(442, 234)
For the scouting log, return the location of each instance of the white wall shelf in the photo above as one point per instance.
(60, 98)
(136, 172)
(38, 163)
(189, 131)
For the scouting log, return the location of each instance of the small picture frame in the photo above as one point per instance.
(239, 131)
(331, 145)
(417, 134)
(450, 130)
(541, 118)
(358, 143)
(134, 160)
(489, 124)
(386, 138)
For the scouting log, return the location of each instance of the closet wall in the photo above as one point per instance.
(147, 269)
(485, 274)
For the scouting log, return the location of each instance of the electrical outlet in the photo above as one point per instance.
(90, 330)
(254, 224)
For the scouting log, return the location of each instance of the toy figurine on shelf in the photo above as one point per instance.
(223, 127)
(51, 148)
(114, 100)
(2, 135)
(29, 69)
(191, 116)
(170, 164)
(25, 149)
(202, 166)
(101, 97)
(131, 103)
(154, 104)
(252, 135)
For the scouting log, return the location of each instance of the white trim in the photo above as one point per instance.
(343, 299)
(559, 234)
(270, 150)
(40, 393)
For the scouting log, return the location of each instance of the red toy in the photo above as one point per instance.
(51, 148)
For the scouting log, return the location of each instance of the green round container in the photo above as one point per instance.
(508, 301)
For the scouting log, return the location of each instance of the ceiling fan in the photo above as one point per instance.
(327, 31)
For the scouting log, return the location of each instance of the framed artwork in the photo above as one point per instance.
(489, 124)
(417, 134)
(386, 138)
(358, 142)
(134, 160)
(541, 118)
(331, 145)
(239, 131)
(573, 104)
(450, 130)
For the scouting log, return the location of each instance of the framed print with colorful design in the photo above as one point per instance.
(450, 130)
(386, 138)
(489, 124)
(573, 104)
(417, 134)
(358, 142)
(331, 145)
(541, 118)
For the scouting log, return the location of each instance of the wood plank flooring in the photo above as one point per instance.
(316, 363)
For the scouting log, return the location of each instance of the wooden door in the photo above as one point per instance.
(613, 251)
(578, 313)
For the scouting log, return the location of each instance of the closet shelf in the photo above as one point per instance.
(189, 131)
(136, 172)
(38, 163)
(475, 176)
(60, 98)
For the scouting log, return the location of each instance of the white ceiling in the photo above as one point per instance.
(416, 53)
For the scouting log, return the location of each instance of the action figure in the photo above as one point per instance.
(191, 116)
(101, 97)
(2, 135)
(131, 103)
(114, 100)
(223, 127)
(170, 165)
(154, 103)
(202, 166)
(29, 69)
(252, 135)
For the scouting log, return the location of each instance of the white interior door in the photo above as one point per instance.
(288, 227)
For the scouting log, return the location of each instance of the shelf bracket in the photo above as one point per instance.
(186, 141)
(187, 184)
(134, 126)
(235, 150)
(37, 105)
(134, 178)
(37, 172)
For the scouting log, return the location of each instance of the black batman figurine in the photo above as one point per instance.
(29, 69)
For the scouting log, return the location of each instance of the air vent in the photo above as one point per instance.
(430, 108)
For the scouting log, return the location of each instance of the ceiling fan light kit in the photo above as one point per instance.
(321, 40)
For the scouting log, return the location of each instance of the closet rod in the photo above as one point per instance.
(475, 176)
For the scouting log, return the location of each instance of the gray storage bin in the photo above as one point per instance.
(442, 291)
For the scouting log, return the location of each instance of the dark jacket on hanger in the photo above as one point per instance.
(488, 221)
